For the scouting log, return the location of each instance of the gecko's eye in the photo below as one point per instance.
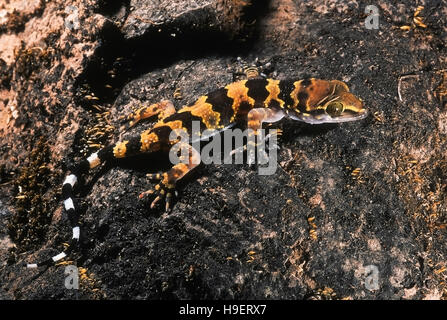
(334, 109)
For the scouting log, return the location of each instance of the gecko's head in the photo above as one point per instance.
(331, 102)
(343, 107)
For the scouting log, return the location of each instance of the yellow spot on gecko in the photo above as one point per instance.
(238, 91)
(147, 139)
(273, 89)
(294, 93)
(119, 151)
(204, 110)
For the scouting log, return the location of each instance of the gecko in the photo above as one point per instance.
(250, 102)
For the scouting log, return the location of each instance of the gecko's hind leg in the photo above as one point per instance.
(163, 109)
(168, 180)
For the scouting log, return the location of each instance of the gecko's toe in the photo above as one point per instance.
(162, 192)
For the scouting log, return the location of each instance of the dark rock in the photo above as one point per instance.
(346, 199)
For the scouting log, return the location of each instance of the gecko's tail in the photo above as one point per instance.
(67, 195)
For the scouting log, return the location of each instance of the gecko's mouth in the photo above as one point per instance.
(346, 116)
(321, 118)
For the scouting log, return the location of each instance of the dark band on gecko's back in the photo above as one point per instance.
(248, 102)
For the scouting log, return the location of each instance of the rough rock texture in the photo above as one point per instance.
(344, 196)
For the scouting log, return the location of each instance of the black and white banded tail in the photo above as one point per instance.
(67, 195)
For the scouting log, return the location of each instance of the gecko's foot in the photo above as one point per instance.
(257, 151)
(251, 70)
(161, 191)
(272, 138)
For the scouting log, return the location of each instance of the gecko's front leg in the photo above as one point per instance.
(256, 139)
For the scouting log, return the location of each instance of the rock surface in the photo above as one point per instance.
(346, 200)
